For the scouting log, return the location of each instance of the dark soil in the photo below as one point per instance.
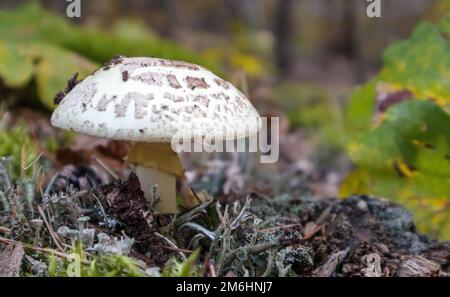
(358, 236)
(126, 203)
(358, 229)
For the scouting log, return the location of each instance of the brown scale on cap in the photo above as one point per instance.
(125, 75)
(150, 78)
(103, 103)
(202, 100)
(173, 81)
(221, 96)
(222, 83)
(131, 64)
(179, 64)
(196, 83)
(140, 104)
(173, 97)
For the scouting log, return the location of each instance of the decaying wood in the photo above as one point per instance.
(11, 259)
(418, 266)
(4, 230)
(329, 267)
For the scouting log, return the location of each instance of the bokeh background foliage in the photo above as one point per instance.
(40, 45)
(404, 153)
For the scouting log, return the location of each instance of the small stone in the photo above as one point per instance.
(63, 231)
(362, 205)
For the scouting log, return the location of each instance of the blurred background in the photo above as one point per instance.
(299, 60)
(330, 41)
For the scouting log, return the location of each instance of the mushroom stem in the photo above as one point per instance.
(157, 164)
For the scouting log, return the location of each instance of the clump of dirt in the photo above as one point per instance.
(126, 202)
(114, 61)
(364, 236)
(71, 83)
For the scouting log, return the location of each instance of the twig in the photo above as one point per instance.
(323, 215)
(244, 208)
(104, 167)
(54, 236)
(39, 249)
(4, 230)
(255, 249)
(269, 266)
(267, 230)
(174, 249)
(170, 243)
(212, 270)
(199, 229)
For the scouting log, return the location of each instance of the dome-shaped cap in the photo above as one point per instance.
(152, 99)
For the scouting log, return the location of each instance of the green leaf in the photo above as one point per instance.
(406, 158)
(421, 64)
(360, 111)
(404, 153)
(181, 269)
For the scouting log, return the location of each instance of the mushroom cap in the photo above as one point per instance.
(151, 100)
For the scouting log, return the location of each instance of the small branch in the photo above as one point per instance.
(268, 230)
(254, 249)
(174, 249)
(212, 270)
(54, 236)
(269, 266)
(39, 249)
(105, 167)
(4, 230)
(173, 245)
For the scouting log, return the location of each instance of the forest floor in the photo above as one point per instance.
(244, 221)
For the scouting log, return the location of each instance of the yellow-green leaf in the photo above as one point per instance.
(16, 68)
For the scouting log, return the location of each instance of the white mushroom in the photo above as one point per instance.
(150, 100)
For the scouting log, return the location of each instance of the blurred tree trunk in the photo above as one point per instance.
(351, 46)
(283, 32)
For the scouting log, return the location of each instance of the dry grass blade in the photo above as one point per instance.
(105, 167)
